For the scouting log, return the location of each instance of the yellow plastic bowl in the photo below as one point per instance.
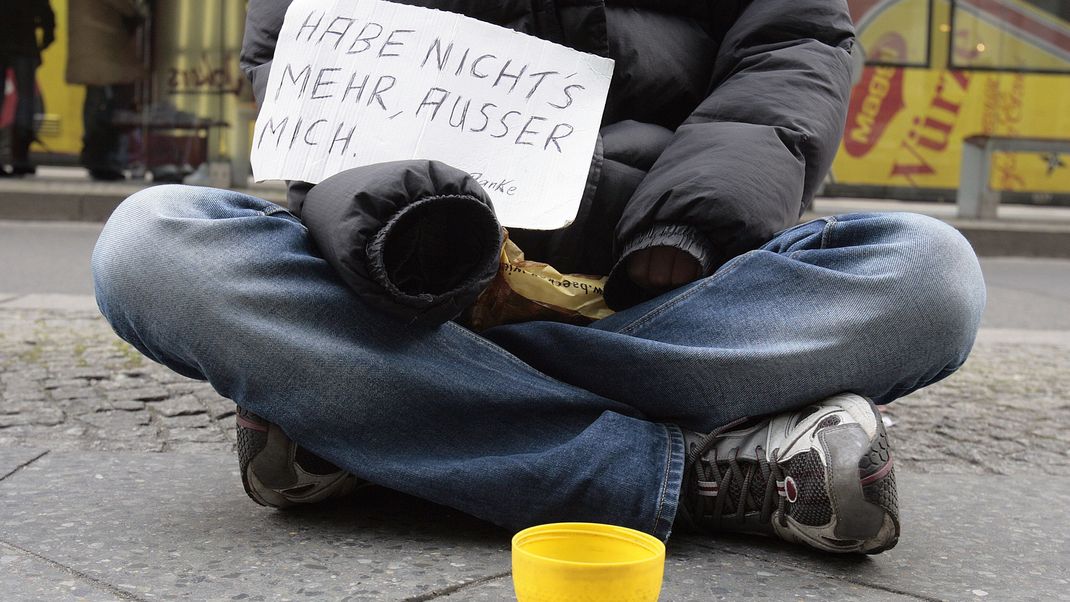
(586, 562)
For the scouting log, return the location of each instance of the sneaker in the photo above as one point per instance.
(277, 472)
(821, 476)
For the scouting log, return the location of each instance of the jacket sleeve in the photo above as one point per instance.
(263, 22)
(749, 159)
(415, 239)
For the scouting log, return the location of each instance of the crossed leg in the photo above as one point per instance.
(534, 422)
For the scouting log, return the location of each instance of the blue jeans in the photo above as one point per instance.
(535, 422)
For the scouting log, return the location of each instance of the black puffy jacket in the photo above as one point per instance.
(722, 119)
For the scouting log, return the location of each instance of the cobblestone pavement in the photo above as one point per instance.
(68, 383)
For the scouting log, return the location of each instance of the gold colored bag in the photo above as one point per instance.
(525, 291)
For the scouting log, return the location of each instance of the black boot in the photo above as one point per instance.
(20, 153)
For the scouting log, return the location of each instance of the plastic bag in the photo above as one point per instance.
(525, 291)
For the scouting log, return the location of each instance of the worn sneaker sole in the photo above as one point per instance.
(252, 432)
(877, 476)
(340, 485)
(253, 435)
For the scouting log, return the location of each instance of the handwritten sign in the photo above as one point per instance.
(355, 82)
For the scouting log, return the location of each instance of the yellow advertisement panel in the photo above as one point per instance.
(906, 125)
(61, 130)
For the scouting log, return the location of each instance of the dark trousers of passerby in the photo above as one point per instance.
(102, 146)
(22, 132)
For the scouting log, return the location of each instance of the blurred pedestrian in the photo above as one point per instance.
(104, 57)
(21, 51)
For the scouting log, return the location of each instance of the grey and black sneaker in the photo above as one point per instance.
(277, 472)
(820, 476)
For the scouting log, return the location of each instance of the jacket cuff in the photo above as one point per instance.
(434, 258)
(621, 293)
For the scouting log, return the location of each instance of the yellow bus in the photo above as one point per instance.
(938, 71)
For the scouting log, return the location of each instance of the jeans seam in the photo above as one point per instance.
(826, 233)
(273, 210)
(664, 480)
(664, 494)
(653, 313)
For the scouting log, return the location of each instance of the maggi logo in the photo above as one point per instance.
(871, 112)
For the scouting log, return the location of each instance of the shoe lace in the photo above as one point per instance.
(713, 477)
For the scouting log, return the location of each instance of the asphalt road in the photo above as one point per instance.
(53, 257)
(46, 257)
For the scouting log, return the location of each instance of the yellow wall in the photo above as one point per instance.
(62, 129)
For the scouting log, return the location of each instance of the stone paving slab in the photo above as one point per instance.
(14, 458)
(26, 577)
(697, 574)
(965, 537)
(178, 526)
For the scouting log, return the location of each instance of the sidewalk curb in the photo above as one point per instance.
(989, 238)
(59, 206)
(84, 206)
(48, 301)
(1015, 239)
(1008, 238)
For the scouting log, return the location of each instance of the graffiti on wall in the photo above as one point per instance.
(211, 74)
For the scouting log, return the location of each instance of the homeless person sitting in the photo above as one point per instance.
(734, 389)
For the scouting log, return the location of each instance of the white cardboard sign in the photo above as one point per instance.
(355, 82)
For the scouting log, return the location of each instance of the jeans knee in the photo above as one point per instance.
(128, 254)
(127, 231)
(942, 289)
